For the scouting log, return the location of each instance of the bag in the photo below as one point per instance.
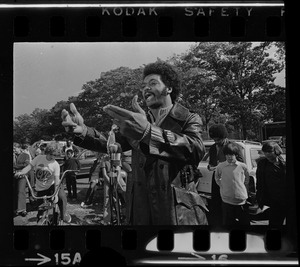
(189, 207)
(188, 204)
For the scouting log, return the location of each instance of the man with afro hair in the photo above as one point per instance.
(164, 141)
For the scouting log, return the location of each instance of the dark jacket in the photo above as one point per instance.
(277, 189)
(71, 164)
(156, 165)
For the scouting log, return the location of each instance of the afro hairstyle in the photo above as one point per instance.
(218, 131)
(168, 75)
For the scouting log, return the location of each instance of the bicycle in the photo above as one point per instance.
(48, 217)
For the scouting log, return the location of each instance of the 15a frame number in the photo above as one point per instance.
(66, 258)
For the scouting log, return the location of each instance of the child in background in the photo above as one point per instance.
(23, 159)
(47, 172)
(232, 176)
(71, 163)
(42, 148)
(94, 180)
(105, 170)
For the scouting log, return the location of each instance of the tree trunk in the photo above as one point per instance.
(244, 132)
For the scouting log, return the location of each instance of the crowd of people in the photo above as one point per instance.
(43, 173)
(230, 182)
(159, 188)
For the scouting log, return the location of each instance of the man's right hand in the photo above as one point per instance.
(73, 122)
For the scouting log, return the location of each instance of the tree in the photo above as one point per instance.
(200, 90)
(54, 127)
(224, 82)
(272, 103)
(23, 128)
(33, 127)
(116, 87)
(227, 78)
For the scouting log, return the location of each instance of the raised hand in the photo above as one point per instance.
(132, 124)
(136, 107)
(72, 122)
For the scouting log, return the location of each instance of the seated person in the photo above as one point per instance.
(47, 172)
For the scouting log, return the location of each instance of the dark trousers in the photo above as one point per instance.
(277, 213)
(31, 179)
(20, 197)
(233, 212)
(214, 215)
(62, 199)
(71, 185)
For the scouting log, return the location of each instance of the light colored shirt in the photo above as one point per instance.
(233, 179)
(45, 172)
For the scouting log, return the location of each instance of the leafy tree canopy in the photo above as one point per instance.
(225, 82)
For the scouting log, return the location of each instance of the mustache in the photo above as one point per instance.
(164, 92)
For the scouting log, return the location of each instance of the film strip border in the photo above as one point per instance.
(147, 23)
(193, 23)
(142, 245)
(128, 239)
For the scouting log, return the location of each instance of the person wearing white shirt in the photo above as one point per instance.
(47, 174)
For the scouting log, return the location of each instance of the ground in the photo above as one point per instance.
(91, 215)
(80, 216)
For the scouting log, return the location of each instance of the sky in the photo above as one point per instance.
(45, 73)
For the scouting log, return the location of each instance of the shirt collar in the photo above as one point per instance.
(162, 112)
(234, 163)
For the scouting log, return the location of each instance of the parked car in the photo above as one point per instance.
(86, 158)
(251, 152)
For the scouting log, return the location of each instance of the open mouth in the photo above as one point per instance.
(148, 96)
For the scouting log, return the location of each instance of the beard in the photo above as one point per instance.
(158, 103)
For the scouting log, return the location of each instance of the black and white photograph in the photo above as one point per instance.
(149, 133)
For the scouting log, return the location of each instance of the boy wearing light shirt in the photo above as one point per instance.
(47, 174)
(233, 177)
